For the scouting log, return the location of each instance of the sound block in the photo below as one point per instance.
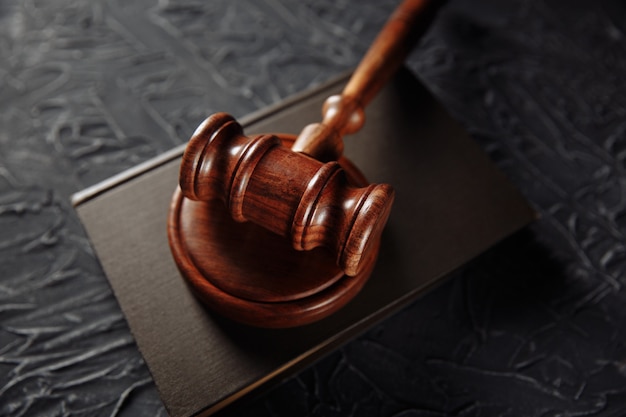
(253, 276)
(451, 204)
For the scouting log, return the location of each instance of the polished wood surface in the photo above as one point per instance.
(295, 196)
(344, 114)
(302, 194)
(254, 276)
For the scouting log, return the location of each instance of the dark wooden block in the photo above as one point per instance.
(451, 204)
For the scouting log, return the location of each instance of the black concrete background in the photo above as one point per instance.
(534, 327)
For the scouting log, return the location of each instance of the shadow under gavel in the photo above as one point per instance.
(302, 193)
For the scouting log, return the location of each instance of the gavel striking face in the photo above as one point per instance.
(289, 193)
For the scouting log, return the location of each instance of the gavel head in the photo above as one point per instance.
(289, 193)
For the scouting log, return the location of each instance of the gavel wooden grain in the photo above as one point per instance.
(287, 192)
(302, 193)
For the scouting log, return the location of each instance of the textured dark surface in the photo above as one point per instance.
(534, 327)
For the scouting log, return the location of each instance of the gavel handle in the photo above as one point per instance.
(345, 113)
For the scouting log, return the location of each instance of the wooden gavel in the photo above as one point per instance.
(287, 192)
(302, 193)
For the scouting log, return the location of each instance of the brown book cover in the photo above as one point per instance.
(451, 204)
